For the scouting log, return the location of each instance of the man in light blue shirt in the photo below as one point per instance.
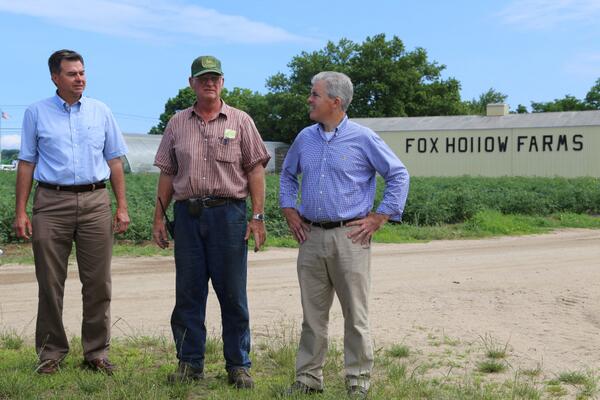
(338, 160)
(71, 145)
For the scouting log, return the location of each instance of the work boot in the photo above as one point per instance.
(301, 388)
(240, 378)
(185, 373)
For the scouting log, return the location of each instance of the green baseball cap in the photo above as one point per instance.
(205, 64)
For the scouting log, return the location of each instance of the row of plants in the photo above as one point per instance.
(431, 201)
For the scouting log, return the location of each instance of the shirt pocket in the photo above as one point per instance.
(95, 136)
(228, 150)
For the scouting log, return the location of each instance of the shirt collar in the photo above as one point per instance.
(64, 106)
(225, 110)
(338, 129)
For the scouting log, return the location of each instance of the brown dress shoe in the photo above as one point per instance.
(101, 365)
(48, 367)
(240, 378)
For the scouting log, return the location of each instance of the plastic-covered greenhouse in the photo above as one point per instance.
(142, 149)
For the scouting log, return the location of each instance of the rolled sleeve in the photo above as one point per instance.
(288, 179)
(165, 155)
(114, 145)
(28, 151)
(253, 148)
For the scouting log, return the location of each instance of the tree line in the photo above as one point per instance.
(389, 81)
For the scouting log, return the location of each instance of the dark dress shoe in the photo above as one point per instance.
(48, 367)
(101, 365)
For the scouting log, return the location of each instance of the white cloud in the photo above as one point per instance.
(152, 20)
(11, 141)
(543, 14)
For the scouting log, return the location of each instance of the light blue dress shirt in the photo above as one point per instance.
(70, 145)
(339, 175)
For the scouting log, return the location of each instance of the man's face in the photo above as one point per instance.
(321, 105)
(70, 81)
(207, 87)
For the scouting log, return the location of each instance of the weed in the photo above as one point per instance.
(490, 366)
(398, 351)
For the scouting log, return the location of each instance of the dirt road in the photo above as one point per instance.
(538, 294)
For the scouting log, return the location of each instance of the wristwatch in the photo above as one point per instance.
(258, 217)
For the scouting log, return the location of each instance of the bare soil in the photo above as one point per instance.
(538, 296)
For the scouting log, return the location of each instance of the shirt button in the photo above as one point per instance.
(203, 177)
(204, 158)
(323, 176)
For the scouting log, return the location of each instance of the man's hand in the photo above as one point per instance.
(256, 228)
(120, 220)
(366, 227)
(298, 227)
(22, 226)
(159, 234)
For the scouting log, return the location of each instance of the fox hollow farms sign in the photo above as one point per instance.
(553, 151)
(493, 144)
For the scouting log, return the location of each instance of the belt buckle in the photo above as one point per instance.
(204, 201)
(93, 187)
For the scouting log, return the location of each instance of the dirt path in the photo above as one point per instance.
(538, 294)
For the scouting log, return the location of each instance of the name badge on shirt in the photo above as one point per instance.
(229, 134)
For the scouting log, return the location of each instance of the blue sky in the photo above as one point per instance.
(138, 53)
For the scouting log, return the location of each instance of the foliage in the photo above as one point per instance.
(431, 202)
(184, 99)
(571, 103)
(244, 99)
(8, 155)
(388, 81)
(479, 106)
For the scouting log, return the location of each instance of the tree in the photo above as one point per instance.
(521, 109)
(244, 99)
(388, 82)
(571, 103)
(479, 106)
(184, 99)
(568, 103)
(593, 96)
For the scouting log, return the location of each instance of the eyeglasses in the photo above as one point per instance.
(204, 79)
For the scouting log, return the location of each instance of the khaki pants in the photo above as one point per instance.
(59, 218)
(329, 262)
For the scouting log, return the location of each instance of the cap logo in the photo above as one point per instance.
(209, 62)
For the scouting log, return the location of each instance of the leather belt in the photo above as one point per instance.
(195, 205)
(329, 224)
(73, 188)
(208, 202)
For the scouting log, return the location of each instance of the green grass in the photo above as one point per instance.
(485, 223)
(491, 366)
(432, 202)
(573, 378)
(145, 362)
(398, 351)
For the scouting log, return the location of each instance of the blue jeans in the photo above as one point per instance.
(211, 246)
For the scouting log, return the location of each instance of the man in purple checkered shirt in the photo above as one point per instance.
(338, 160)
